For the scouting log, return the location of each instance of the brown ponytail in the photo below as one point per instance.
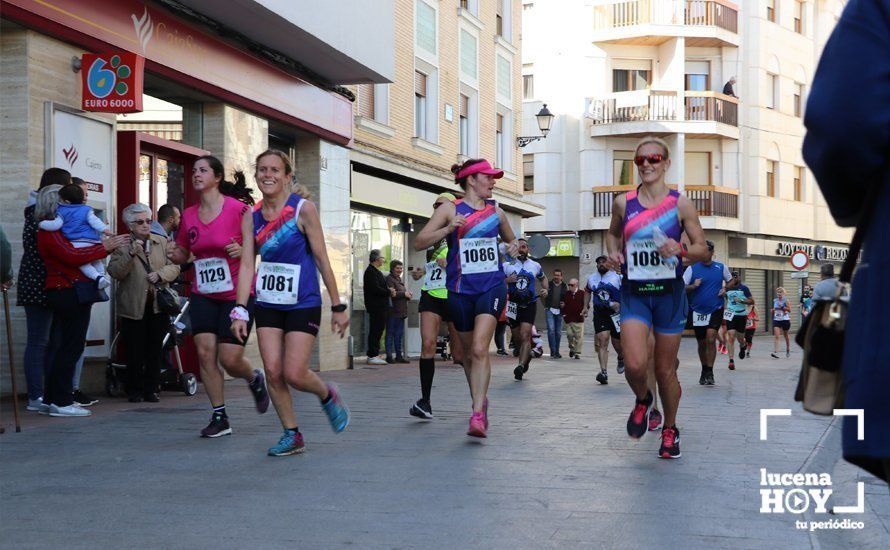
(456, 168)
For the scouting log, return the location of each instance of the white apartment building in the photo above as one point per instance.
(613, 71)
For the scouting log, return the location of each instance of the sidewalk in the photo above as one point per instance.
(557, 471)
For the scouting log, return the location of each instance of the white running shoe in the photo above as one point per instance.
(34, 404)
(70, 410)
(376, 361)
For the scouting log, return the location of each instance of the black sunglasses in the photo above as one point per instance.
(653, 159)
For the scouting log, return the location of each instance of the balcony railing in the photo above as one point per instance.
(625, 13)
(709, 200)
(634, 106)
(712, 106)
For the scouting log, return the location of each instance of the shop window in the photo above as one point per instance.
(771, 169)
(528, 173)
(623, 168)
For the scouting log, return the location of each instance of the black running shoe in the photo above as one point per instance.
(422, 409)
(258, 389)
(742, 349)
(670, 443)
(703, 379)
(731, 364)
(638, 423)
(219, 426)
(710, 380)
(602, 378)
(517, 372)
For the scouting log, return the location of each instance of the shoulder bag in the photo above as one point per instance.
(168, 300)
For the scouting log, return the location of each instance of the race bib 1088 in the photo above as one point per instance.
(644, 263)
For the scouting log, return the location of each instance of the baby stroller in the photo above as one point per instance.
(171, 378)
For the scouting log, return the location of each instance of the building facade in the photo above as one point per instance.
(231, 79)
(456, 95)
(624, 69)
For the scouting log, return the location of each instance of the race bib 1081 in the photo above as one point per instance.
(278, 283)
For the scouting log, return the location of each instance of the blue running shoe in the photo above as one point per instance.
(291, 443)
(336, 409)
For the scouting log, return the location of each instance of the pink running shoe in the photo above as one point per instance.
(477, 425)
(654, 419)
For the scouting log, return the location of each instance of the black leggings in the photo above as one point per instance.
(500, 334)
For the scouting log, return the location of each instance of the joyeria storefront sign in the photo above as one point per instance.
(112, 82)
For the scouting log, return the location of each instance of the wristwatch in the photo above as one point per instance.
(338, 308)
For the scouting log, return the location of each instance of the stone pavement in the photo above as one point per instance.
(557, 471)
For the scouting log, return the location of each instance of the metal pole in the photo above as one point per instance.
(15, 393)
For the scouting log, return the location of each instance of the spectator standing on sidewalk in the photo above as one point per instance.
(378, 298)
(80, 397)
(398, 312)
(572, 310)
(552, 312)
(847, 150)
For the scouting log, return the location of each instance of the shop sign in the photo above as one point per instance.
(818, 252)
(112, 82)
(562, 247)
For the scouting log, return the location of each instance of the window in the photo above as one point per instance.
(425, 33)
(623, 168)
(499, 142)
(468, 54)
(365, 100)
(626, 80)
(771, 10)
(471, 6)
(798, 183)
(798, 99)
(464, 125)
(773, 91)
(465, 4)
(798, 16)
(499, 18)
(528, 86)
(528, 173)
(698, 168)
(504, 76)
(420, 105)
(771, 178)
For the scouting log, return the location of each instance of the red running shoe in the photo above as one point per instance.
(670, 443)
(477, 425)
(638, 423)
(655, 419)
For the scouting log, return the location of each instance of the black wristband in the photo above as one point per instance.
(338, 308)
(240, 305)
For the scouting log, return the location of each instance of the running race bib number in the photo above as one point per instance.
(616, 320)
(213, 276)
(511, 310)
(700, 319)
(644, 263)
(478, 255)
(728, 314)
(435, 276)
(278, 283)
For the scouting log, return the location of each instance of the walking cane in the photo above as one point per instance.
(15, 393)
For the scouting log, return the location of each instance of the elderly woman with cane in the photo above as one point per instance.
(142, 270)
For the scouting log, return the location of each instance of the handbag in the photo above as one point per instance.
(168, 300)
(821, 386)
(88, 293)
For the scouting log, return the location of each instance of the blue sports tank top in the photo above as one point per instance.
(643, 261)
(287, 277)
(474, 266)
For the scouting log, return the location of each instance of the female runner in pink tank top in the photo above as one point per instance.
(214, 234)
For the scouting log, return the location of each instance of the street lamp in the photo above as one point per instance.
(545, 119)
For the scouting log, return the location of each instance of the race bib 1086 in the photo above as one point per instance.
(435, 276)
(478, 255)
(212, 276)
(644, 263)
(278, 283)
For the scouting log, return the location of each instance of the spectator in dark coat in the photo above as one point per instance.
(395, 326)
(728, 87)
(847, 146)
(377, 303)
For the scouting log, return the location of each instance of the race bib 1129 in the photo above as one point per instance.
(212, 276)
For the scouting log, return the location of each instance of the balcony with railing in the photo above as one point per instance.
(704, 23)
(631, 114)
(709, 200)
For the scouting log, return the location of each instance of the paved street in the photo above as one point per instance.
(558, 470)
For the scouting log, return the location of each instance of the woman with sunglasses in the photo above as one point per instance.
(644, 241)
(433, 311)
(474, 275)
(217, 231)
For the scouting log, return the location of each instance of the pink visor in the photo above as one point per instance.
(481, 167)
